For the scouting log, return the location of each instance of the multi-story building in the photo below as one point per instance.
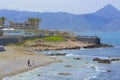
(24, 26)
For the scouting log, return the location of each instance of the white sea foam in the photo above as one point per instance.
(91, 77)
(82, 49)
(76, 55)
(98, 69)
(69, 54)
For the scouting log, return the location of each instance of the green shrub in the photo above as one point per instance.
(52, 38)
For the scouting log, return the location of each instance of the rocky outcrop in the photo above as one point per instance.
(77, 58)
(64, 74)
(68, 66)
(106, 61)
(115, 59)
(57, 54)
(98, 46)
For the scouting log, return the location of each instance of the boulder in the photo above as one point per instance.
(77, 58)
(106, 61)
(64, 74)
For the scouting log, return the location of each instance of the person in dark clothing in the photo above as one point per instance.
(28, 62)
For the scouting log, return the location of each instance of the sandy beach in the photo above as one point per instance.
(14, 61)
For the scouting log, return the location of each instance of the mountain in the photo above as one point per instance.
(109, 12)
(113, 26)
(106, 18)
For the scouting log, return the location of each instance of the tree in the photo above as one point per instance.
(2, 22)
(34, 22)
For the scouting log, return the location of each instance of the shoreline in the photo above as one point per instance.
(70, 45)
(14, 62)
(14, 54)
(22, 71)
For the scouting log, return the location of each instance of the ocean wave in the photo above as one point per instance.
(98, 69)
(91, 77)
(75, 55)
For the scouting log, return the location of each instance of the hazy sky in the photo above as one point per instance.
(71, 6)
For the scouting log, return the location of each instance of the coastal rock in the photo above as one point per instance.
(38, 75)
(108, 70)
(68, 66)
(98, 46)
(106, 61)
(57, 54)
(77, 58)
(115, 59)
(64, 74)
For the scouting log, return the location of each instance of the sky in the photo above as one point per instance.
(70, 6)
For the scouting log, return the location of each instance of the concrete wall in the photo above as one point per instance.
(90, 39)
(4, 41)
(12, 40)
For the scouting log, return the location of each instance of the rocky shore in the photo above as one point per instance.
(106, 61)
(14, 59)
(63, 45)
(98, 46)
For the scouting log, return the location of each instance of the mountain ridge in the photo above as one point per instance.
(108, 11)
(67, 21)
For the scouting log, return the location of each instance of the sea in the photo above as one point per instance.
(78, 64)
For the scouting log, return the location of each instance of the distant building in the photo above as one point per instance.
(24, 26)
(31, 24)
(13, 32)
(56, 33)
(89, 39)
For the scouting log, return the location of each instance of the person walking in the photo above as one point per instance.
(28, 62)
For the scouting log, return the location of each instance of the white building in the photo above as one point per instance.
(14, 32)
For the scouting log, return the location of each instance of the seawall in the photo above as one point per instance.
(89, 39)
(8, 40)
(4, 40)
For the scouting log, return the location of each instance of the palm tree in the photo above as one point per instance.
(34, 22)
(2, 21)
(37, 20)
(31, 20)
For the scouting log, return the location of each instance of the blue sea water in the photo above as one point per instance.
(83, 69)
